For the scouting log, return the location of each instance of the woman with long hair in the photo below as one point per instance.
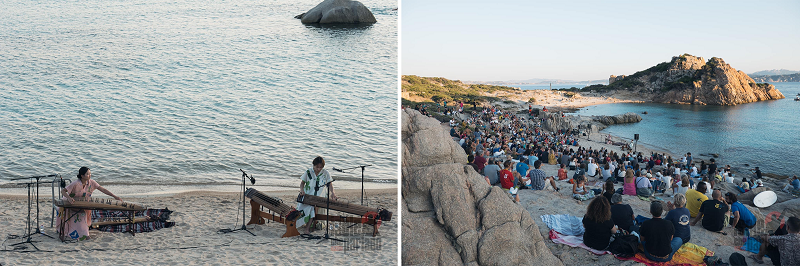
(598, 224)
(629, 187)
(608, 190)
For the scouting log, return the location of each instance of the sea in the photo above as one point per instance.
(764, 134)
(187, 93)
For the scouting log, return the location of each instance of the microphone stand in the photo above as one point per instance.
(362, 178)
(327, 213)
(28, 228)
(244, 207)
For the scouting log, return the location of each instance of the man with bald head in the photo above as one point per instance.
(713, 212)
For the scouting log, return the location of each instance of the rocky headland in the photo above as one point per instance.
(688, 79)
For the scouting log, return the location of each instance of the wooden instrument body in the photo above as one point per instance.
(100, 204)
(366, 215)
(280, 209)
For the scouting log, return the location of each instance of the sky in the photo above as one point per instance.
(590, 40)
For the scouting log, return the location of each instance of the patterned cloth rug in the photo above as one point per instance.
(157, 220)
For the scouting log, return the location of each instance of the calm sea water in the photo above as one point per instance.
(189, 92)
(764, 134)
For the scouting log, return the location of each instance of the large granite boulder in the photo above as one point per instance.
(338, 11)
(451, 216)
(554, 121)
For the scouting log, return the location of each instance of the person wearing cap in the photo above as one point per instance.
(742, 217)
(643, 186)
(758, 183)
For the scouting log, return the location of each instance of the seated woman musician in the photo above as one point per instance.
(314, 181)
(77, 227)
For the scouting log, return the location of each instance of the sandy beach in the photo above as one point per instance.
(195, 238)
(551, 98)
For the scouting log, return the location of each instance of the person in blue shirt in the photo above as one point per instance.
(742, 217)
(794, 184)
(522, 169)
(679, 216)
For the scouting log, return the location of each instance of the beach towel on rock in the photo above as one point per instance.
(564, 224)
(574, 241)
(688, 254)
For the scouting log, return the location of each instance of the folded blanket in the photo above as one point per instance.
(564, 223)
(688, 254)
(574, 241)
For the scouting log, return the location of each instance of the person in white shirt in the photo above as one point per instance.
(728, 178)
(666, 180)
(592, 168)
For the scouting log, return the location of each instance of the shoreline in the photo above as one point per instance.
(45, 195)
(581, 102)
(195, 238)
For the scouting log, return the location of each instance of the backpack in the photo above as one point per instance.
(624, 246)
(578, 172)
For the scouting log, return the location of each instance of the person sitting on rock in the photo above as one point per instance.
(506, 177)
(471, 160)
(695, 198)
(591, 169)
(605, 171)
(562, 172)
(599, 227)
(744, 186)
(741, 216)
(538, 179)
(793, 185)
(680, 217)
(657, 236)
(713, 213)
(579, 190)
(782, 247)
(629, 187)
(491, 171)
(643, 187)
(609, 191)
(622, 214)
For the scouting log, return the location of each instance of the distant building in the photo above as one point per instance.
(613, 78)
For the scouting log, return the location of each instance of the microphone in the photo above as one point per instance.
(252, 179)
(337, 169)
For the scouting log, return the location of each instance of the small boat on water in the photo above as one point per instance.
(797, 98)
